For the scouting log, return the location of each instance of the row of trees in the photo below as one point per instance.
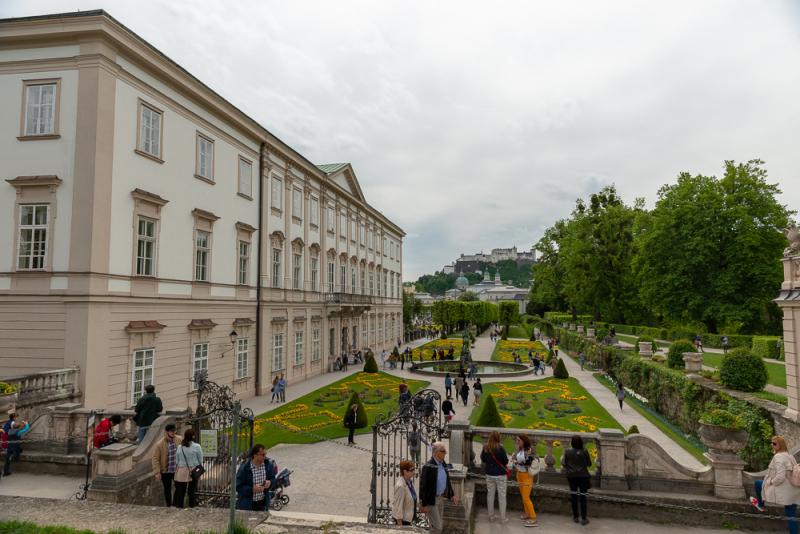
(439, 283)
(452, 313)
(707, 254)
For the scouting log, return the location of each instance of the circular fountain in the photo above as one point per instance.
(484, 369)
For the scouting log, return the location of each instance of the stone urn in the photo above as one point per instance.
(646, 350)
(723, 444)
(694, 364)
(572, 327)
(590, 333)
(580, 329)
(8, 402)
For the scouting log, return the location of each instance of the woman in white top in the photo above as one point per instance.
(523, 459)
(776, 486)
(189, 455)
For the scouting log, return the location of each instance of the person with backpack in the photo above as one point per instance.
(779, 484)
(415, 441)
(464, 392)
(536, 361)
(147, 410)
(447, 408)
(14, 449)
(6, 429)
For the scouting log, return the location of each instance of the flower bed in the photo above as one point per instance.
(428, 349)
(504, 350)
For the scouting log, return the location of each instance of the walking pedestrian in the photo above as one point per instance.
(189, 457)
(402, 360)
(473, 370)
(778, 355)
(536, 361)
(448, 383)
(477, 391)
(577, 462)
(147, 410)
(13, 446)
(350, 422)
(447, 409)
(523, 461)
(345, 361)
(276, 391)
(457, 383)
(582, 356)
(282, 386)
(776, 486)
(165, 461)
(104, 433)
(495, 459)
(698, 342)
(724, 343)
(620, 394)
(253, 480)
(415, 440)
(435, 487)
(464, 392)
(383, 360)
(405, 498)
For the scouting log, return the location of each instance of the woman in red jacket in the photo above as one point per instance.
(103, 434)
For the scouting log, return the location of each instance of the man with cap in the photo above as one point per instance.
(165, 460)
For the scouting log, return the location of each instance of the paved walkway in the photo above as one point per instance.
(46, 486)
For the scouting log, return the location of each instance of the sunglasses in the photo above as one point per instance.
(773, 443)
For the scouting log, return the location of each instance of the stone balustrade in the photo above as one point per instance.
(40, 391)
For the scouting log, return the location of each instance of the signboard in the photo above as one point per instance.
(208, 442)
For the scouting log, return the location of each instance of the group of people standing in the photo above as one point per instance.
(278, 389)
(10, 437)
(462, 388)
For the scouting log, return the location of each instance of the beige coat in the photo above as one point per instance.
(777, 487)
(403, 507)
(160, 454)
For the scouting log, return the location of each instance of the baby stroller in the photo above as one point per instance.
(279, 499)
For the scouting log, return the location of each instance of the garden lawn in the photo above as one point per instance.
(503, 350)
(531, 405)
(518, 332)
(776, 371)
(428, 348)
(322, 411)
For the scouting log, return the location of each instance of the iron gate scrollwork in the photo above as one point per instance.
(215, 411)
(419, 417)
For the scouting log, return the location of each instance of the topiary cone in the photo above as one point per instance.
(490, 415)
(361, 420)
(370, 366)
(550, 356)
(633, 430)
(533, 334)
(560, 370)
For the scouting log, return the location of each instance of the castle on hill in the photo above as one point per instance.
(473, 263)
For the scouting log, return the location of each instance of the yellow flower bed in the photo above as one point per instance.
(522, 347)
(534, 388)
(444, 344)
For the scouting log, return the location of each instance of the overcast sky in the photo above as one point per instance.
(476, 125)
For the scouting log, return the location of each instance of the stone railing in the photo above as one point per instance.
(39, 391)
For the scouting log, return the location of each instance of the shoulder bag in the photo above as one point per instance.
(508, 473)
(194, 472)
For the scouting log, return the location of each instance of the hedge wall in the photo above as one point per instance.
(766, 347)
(558, 317)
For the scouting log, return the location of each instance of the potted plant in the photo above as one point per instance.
(8, 396)
(723, 431)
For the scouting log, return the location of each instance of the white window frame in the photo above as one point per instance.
(353, 230)
(141, 240)
(202, 264)
(277, 352)
(205, 158)
(371, 284)
(363, 282)
(276, 193)
(343, 225)
(242, 357)
(297, 203)
(343, 278)
(146, 378)
(379, 284)
(36, 253)
(245, 177)
(353, 282)
(362, 232)
(384, 246)
(372, 332)
(315, 345)
(364, 334)
(392, 284)
(380, 331)
(385, 285)
(40, 125)
(296, 271)
(314, 270)
(331, 276)
(150, 131)
(314, 211)
(391, 250)
(244, 263)
(370, 238)
(331, 219)
(199, 359)
(276, 268)
(298, 348)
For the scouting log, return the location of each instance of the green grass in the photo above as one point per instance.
(542, 389)
(627, 339)
(518, 332)
(330, 425)
(774, 397)
(776, 371)
(677, 438)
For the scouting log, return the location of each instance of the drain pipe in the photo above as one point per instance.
(258, 266)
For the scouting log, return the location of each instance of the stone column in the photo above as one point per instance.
(646, 350)
(611, 455)
(788, 300)
(694, 364)
(459, 444)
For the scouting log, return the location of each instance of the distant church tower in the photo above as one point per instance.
(486, 276)
(462, 283)
(497, 281)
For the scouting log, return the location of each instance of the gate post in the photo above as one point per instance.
(373, 486)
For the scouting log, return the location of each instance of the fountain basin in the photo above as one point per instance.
(485, 369)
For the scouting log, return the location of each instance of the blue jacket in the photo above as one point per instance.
(190, 456)
(244, 484)
(16, 433)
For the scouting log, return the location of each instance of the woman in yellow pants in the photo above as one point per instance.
(523, 459)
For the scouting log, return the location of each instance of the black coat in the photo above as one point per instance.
(577, 462)
(427, 484)
(447, 407)
(350, 419)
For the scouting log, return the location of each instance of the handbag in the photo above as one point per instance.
(508, 473)
(192, 474)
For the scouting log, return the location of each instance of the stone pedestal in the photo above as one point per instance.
(723, 444)
(694, 364)
(611, 459)
(572, 327)
(646, 350)
(457, 518)
(580, 329)
(63, 416)
(590, 333)
(460, 445)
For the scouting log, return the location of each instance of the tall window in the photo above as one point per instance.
(242, 356)
(379, 284)
(392, 328)
(142, 373)
(296, 273)
(150, 135)
(380, 330)
(385, 285)
(363, 282)
(276, 193)
(297, 203)
(203, 256)
(343, 278)
(205, 157)
(331, 268)
(146, 248)
(298, 348)
(313, 274)
(392, 287)
(384, 246)
(276, 267)
(315, 345)
(244, 262)
(200, 359)
(372, 332)
(331, 220)
(364, 334)
(33, 227)
(343, 225)
(330, 341)
(398, 286)
(353, 230)
(353, 281)
(40, 109)
(391, 249)
(370, 238)
(245, 177)
(314, 212)
(363, 231)
(371, 283)
(277, 352)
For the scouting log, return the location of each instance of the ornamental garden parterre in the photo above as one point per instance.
(504, 350)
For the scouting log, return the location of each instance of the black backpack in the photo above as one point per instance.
(413, 439)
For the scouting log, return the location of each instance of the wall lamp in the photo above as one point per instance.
(233, 335)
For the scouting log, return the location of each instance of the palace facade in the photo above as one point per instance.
(150, 229)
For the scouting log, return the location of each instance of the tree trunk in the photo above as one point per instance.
(711, 325)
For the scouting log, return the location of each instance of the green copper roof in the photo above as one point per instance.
(331, 168)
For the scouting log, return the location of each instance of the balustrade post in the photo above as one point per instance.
(549, 459)
(63, 417)
(611, 445)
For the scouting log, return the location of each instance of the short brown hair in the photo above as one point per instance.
(406, 465)
(526, 441)
(257, 448)
(781, 444)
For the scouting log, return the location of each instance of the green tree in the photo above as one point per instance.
(490, 416)
(548, 291)
(361, 419)
(710, 247)
(468, 296)
(412, 307)
(509, 313)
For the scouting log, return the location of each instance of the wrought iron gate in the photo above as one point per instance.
(390, 445)
(215, 407)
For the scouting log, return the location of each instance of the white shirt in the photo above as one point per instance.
(520, 458)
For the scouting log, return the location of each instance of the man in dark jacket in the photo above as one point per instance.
(253, 480)
(434, 488)
(350, 422)
(148, 407)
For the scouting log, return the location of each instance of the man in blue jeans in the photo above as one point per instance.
(147, 409)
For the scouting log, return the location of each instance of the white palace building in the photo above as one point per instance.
(149, 228)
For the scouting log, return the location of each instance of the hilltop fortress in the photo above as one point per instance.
(472, 263)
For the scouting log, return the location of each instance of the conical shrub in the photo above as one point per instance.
(490, 415)
(550, 356)
(533, 333)
(560, 370)
(633, 430)
(504, 337)
(370, 366)
(361, 420)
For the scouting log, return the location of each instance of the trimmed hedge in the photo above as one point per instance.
(370, 366)
(633, 430)
(676, 350)
(626, 329)
(600, 334)
(490, 415)
(766, 347)
(561, 370)
(743, 370)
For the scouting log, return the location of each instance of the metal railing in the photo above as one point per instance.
(347, 298)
